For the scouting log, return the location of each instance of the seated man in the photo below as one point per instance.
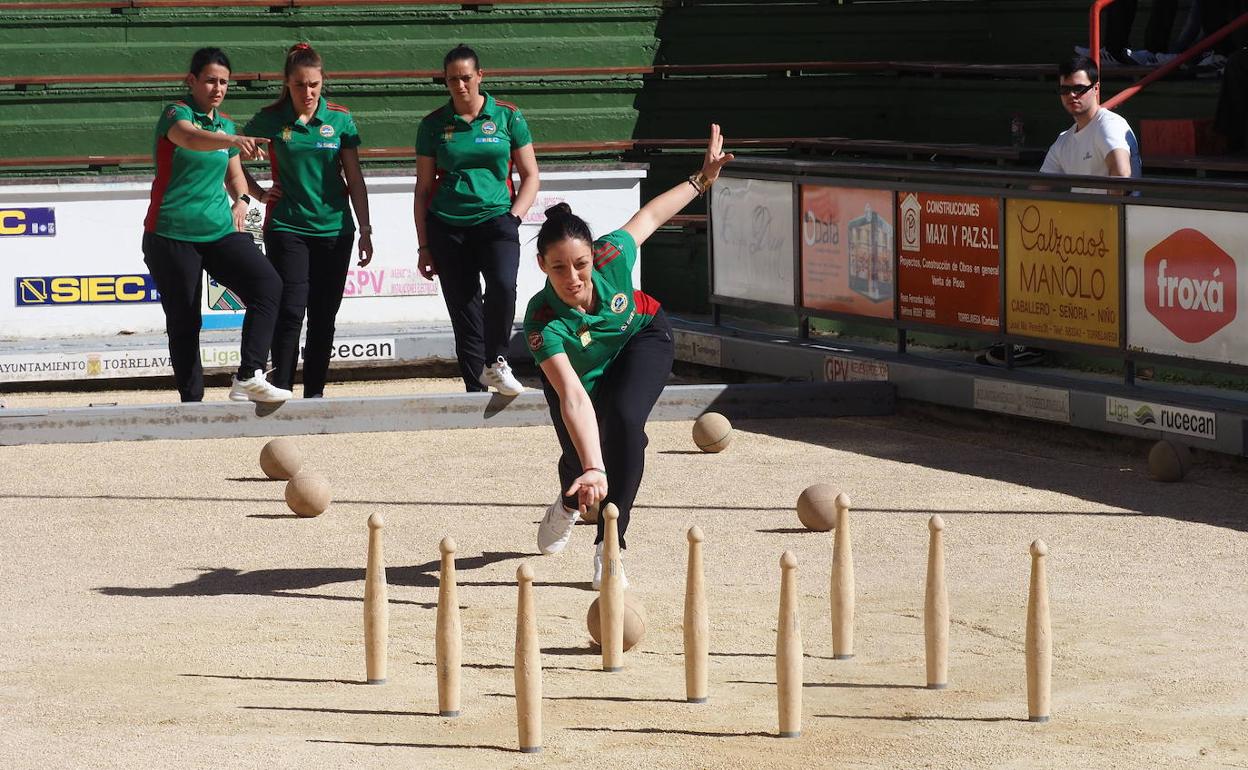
(1100, 143)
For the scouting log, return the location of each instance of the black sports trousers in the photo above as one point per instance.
(314, 273)
(462, 256)
(622, 399)
(236, 263)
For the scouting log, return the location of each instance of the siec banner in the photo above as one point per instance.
(949, 260)
(1183, 269)
(1061, 266)
(847, 250)
(65, 290)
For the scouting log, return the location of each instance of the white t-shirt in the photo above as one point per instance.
(1083, 152)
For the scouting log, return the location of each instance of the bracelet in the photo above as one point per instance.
(603, 471)
(699, 182)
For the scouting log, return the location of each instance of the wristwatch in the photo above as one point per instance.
(245, 198)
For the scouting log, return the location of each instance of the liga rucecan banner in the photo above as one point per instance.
(847, 250)
(949, 260)
(1061, 267)
(1183, 270)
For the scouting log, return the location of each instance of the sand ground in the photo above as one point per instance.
(162, 607)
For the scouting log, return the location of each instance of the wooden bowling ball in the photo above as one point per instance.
(634, 621)
(308, 495)
(816, 507)
(281, 459)
(712, 432)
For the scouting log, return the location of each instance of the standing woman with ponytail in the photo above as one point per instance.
(308, 229)
(605, 352)
(468, 216)
(191, 227)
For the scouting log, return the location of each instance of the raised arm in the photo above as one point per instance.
(655, 214)
(185, 134)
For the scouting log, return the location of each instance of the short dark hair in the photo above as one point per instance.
(205, 56)
(460, 53)
(1068, 67)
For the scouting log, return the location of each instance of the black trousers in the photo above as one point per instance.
(622, 401)
(463, 256)
(237, 264)
(314, 273)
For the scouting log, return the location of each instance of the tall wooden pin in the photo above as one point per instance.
(936, 609)
(697, 626)
(449, 644)
(789, 651)
(528, 666)
(611, 593)
(376, 609)
(1039, 645)
(842, 589)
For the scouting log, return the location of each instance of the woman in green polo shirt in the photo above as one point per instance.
(190, 227)
(308, 230)
(605, 352)
(468, 216)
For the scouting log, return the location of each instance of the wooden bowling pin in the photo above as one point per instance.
(611, 593)
(528, 666)
(1039, 645)
(789, 651)
(376, 610)
(448, 641)
(842, 590)
(936, 609)
(697, 627)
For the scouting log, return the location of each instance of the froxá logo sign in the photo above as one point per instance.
(1190, 285)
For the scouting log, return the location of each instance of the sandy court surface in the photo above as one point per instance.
(162, 608)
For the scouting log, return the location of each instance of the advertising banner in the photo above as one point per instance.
(949, 260)
(37, 222)
(847, 250)
(1061, 266)
(752, 240)
(1183, 283)
(1153, 416)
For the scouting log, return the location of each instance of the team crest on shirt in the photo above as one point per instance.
(286, 133)
(618, 303)
(170, 112)
(489, 127)
(535, 341)
(327, 131)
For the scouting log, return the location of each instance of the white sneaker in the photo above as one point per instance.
(555, 530)
(498, 376)
(258, 389)
(597, 581)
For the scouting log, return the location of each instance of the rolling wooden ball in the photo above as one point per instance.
(308, 495)
(1169, 461)
(712, 432)
(281, 459)
(816, 507)
(590, 516)
(634, 621)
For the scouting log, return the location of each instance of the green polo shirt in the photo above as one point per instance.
(472, 182)
(189, 202)
(304, 159)
(592, 340)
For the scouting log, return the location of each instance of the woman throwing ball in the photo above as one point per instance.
(605, 352)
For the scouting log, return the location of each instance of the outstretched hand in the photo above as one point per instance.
(715, 158)
(589, 488)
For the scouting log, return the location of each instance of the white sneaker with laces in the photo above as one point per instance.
(498, 376)
(555, 530)
(258, 389)
(597, 581)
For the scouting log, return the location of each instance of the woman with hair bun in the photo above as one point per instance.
(605, 352)
(308, 228)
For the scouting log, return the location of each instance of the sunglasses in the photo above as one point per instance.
(1075, 90)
